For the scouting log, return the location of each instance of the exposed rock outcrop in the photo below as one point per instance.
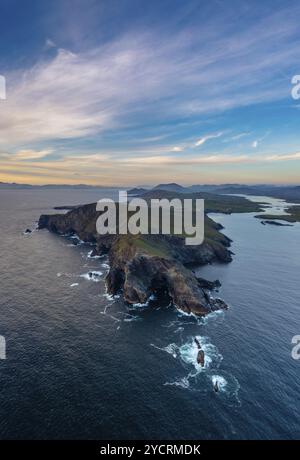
(200, 355)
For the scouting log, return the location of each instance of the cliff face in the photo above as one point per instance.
(146, 265)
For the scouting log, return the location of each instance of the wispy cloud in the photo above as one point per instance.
(50, 44)
(258, 141)
(206, 138)
(237, 137)
(166, 76)
(284, 157)
(132, 78)
(31, 154)
(100, 168)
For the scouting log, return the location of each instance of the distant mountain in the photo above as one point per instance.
(285, 192)
(289, 193)
(170, 187)
(136, 191)
(14, 186)
(8, 186)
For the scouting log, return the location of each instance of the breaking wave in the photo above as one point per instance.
(92, 276)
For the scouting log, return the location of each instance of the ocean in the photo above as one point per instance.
(82, 365)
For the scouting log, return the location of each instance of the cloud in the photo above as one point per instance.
(284, 157)
(258, 141)
(174, 161)
(100, 168)
(120, 97)
(31, 154)
(25, 155)
(177, 149)
(237, 137)
(203, 139)
(50, 44)
(213, 159)
(130, 80)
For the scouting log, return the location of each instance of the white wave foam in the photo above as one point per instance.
(184, 313)
(189, 352)
(228, 386)
(139, 305)
(182, 383)
(108, 296)
(131, 318)
(111, 297)
(171, 349)
(220, 381)
(214, 316)
(67, 275)
(146, 304)
(75, 237)
(92, 276)
(89, 256)
(74, 284)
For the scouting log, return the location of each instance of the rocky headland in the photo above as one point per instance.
(142, 266)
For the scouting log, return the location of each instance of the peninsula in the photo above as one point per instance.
(145, 266)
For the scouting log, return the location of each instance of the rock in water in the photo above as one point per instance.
(200, 358)
(200, 355)
(197, 343)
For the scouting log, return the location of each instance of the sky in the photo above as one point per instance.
(128, 92)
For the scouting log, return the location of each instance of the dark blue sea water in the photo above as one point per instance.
(81, 365)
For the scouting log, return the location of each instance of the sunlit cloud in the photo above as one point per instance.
(31, 154)
(285, 157)
(66, 115)
(75, 95)
(177, 149)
